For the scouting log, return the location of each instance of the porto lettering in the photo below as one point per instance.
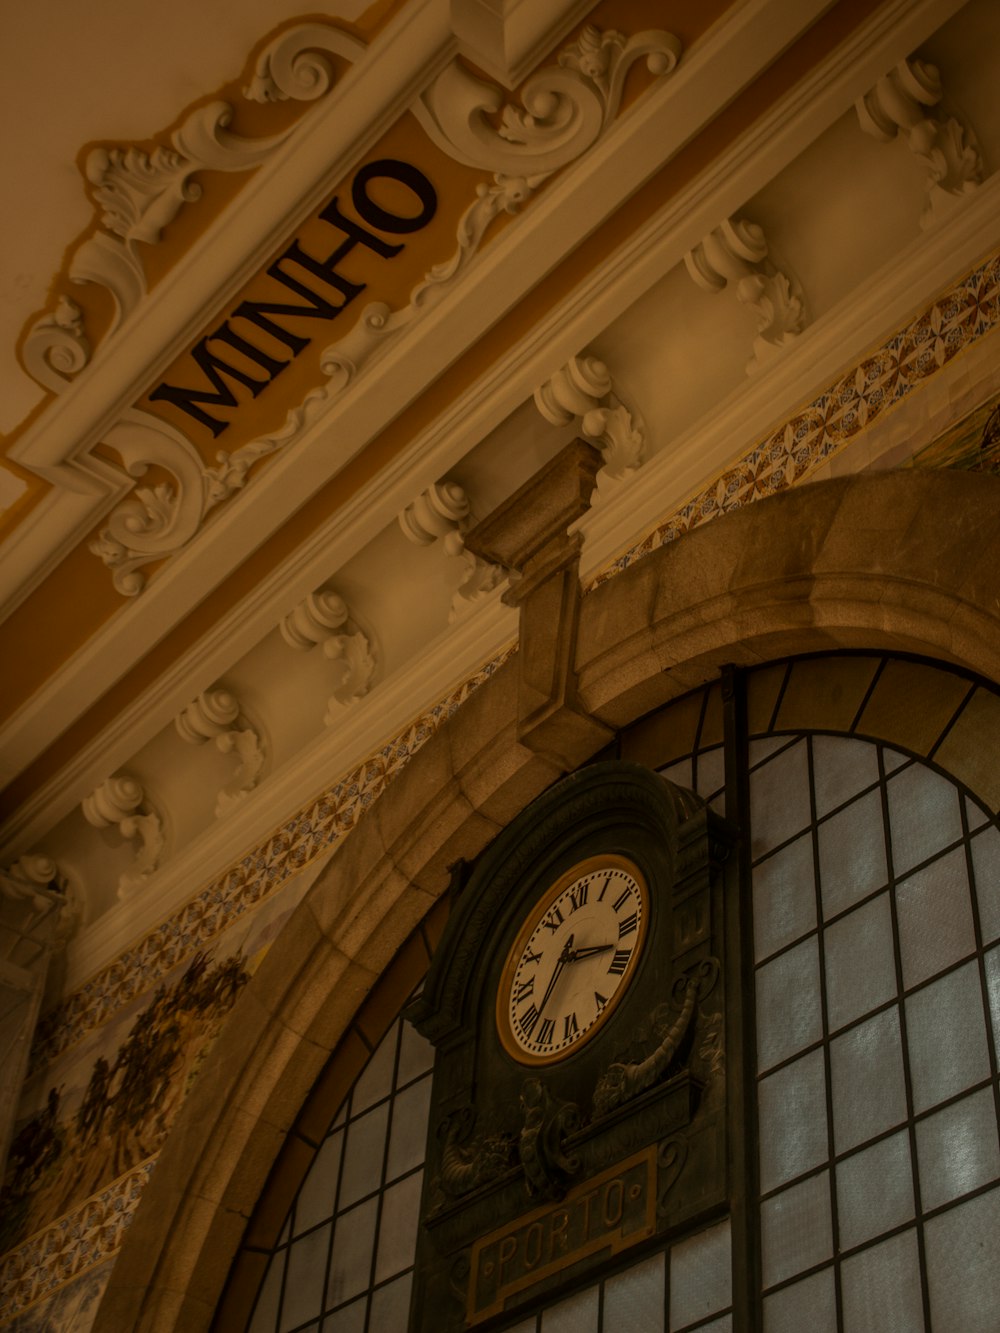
(323, 292)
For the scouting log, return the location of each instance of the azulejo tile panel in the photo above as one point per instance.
(790, 453)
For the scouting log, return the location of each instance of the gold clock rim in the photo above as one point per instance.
(610, 860)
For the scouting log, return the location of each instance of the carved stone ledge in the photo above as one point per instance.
(323, 620)
(583, 391)
(121, 802)
(215, 716)
(734, 255)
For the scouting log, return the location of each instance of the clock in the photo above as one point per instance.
(574, 957)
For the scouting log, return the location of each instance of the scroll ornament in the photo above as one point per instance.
(583, 390)
(216, 716)
(121, 802)
(323, 620)
(443, 513)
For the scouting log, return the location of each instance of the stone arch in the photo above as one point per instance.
(902, 561)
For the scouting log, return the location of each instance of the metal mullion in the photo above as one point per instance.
(876, 677)
(336, 1198)
(696, 748)
(951, 722)
(779, 698)
(380, 1193)
(907, 1080)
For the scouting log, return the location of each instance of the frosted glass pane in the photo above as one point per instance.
(784, 897)
(934, 910)
(701, 1279)
(416, 1055)
(306, 1274)
(577, 1315)
(881, 1288)
(350, 1267)
(792, 1121)
(809, 1304)
(859, 961)
(766, 745)
(679, 774)
(362, 1169)
(842, 767)
(992, 961)
(711, 771)
(407, 1139)
(957, 1149)
(985, 849)
(723, 1325)
(924, 815)
(634, 1299)
(319, 1189)
(874, 1191)
(852, 854)
(788, 1004)
(892, 759)
(265, 1313)
(963, 1266)
(866, 1067)
(795, 1229)
(526, 1326)
(376, 1081)
(397, 1228)
(391, 1306)
(349, 1320)
(946, 1033)
(975, 815)
(779, 799)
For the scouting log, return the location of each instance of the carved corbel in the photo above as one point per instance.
(583, 391)
(443, 513)
(121, 802)
(35, 879)
(900, 103)
(735, 254)
(323, 620)
(215, 716)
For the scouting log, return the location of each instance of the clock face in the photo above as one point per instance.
(573, 960)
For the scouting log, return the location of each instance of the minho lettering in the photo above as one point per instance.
(263, 316)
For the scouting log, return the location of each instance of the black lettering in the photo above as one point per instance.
(524, 990)
(390, 169)
(620, 902)
(528, 1020)
(220, 395)
(316, 307)
(604, 889)
(578, 896)
(627, 925)
(571, 1027)
(530, 957)
(601, 1000)
(554, 920)
(620, 961)
(546, 1031)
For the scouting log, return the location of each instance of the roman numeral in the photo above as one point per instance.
(604, 889)
(578, 896)
(620, 902)
(627, 926)
(528, 1020)
(530, 957)
(571, 1026)
(546, 1031)
(524, 990)
(600, 999)
(620, 961)
(554, 920)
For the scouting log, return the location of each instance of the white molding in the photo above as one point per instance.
(450, 659)
(655, 127)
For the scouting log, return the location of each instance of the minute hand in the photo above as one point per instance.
(588, 950)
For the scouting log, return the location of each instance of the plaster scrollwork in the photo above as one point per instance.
(56, 347)
(323, 620)
(443, 513)
(121, 803)
(735, 254)
(901, 104)
(216, 716)
(293, 66)
(37, 879)
(583, 391)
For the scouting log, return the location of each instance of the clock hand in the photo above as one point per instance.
(564, 958)
(589, 949)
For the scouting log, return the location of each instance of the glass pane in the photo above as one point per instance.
(881, 1288)
(306, 1274)
(985, 849)
(975, 815)
(992, 962)
(852, 854)
(934, 910)
(866, 1067)
(860, 965)
(792, 1121)
(577, 1315)
(788, 1004)
(700, 1276)
(265, 1315)
(842, 767)
(874, 1191)
(711, 772)
(946, 1017)
(963, 1266)
(349, 1320)
(397, 1230)
(351, 1265)
(924, 815)
(679, 774)
(319, 1189)
(409, 1128)
(784, 897)
(391, 1306)
(957, 1149)
(634, 1299)
(892, 759)
(362, 1170)
(416, 1055)
(779, 799)
(795, 1229)
(809, 1304)
(376, 1081)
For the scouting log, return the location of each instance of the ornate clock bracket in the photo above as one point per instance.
(528, 534)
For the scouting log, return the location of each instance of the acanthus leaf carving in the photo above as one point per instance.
(215, 716)
(121, 802)
(323, 620)
(736, 254)
(901, 103)
(583, 390)
(443, 513)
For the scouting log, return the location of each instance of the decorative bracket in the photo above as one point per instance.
(323, 620)
(901, 101)
(583, 391)
(443, 513)
(213, 716)
(736, 253)
(38, 880)
(121, 801)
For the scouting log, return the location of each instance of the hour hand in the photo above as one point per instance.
(589, 949)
